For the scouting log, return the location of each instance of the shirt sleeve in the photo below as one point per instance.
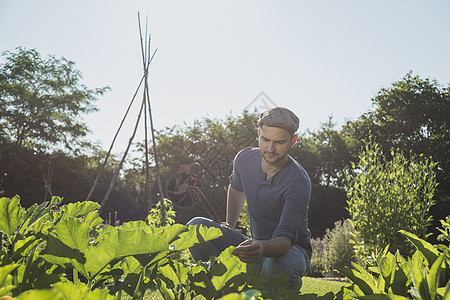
(235, 178)
(295, 211)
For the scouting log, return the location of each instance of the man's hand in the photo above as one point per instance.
(249, 251)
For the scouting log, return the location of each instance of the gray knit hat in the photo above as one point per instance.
(279, 117)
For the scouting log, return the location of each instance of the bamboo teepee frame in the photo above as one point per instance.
(146, 108)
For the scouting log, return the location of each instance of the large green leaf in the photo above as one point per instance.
(69, 242)
(418, 275)
(226, 267)
(427, 249)
(361, 278)
(402, 276)
(39, 218)
(78, 209)
(194, 235)
(43, 209)
(178, 236)
(10, 215)
(433, 276)
(387, 266)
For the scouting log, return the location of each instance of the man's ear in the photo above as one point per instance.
(294, 139)
(259, 132)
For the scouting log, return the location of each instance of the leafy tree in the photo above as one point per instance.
(387, 195)
(42, 100)
(411, 114)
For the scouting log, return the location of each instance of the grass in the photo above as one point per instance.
(320, 286)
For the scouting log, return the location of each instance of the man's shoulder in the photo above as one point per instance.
(297, 170)
(248, 152)
(247, 158)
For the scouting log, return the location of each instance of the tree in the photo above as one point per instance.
(42, 101)
(411, 114)
(387, 195)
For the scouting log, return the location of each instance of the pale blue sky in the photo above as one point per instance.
(318, 58)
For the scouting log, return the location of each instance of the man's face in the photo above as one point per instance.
(274, 143)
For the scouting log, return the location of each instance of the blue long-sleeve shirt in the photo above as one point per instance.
(277, 206)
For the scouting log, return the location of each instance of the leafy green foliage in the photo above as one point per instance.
(211, 280)
(385, 196)
(412, 114)
(162, 214)
(10, 215)
(445, 230)
(6, 278)
(45, 241)
(66, 291)
(425, 275)
(21, 242)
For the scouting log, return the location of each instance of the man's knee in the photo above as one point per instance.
(274, 266)
(200, 221)
(294, 264)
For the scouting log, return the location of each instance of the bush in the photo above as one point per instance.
(339, 249)
(316, 268)
(334, 250)
(385, 196)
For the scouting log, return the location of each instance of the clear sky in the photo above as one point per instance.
(319, 58)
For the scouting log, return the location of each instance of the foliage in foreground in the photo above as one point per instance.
(424, 275)
(66, 252)
(47, 244)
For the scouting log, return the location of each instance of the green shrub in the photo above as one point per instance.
(338, 247)
(316, 268)
(385, 196)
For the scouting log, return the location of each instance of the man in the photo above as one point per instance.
(277, 190)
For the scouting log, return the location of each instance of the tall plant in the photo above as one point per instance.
(386, 195)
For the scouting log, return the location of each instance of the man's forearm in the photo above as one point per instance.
(235, 202)
(252, 250)
(276, 247)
